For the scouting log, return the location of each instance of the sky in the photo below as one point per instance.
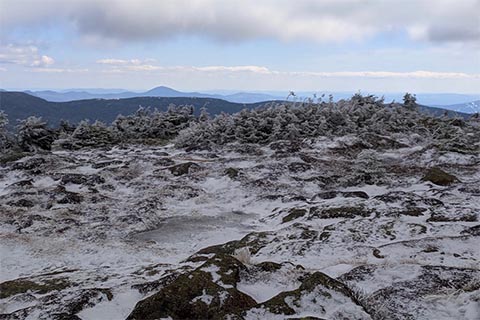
(255, 45)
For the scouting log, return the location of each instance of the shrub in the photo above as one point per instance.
(4, 136)
(297, 121)
(33, 134)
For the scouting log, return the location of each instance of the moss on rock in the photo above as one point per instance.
(439, 177)
(183, 168)
(338, 212)
(14, 287)
(232, 173)
(294, 214)
(314, 281)
(208, 292)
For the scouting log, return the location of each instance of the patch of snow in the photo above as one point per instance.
(205, 298)
(119, 307)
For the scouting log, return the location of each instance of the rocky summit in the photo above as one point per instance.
(354, 225)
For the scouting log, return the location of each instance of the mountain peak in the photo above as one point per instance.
(162, 89)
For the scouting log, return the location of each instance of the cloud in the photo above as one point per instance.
(43, 61)
(125, 66)
(25, 55)
(254, 69)
(18, 54)
(387, 74)
(59, 70)
(311, 20)
(121, 62)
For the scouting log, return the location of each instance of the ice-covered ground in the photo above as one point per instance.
(322, 229)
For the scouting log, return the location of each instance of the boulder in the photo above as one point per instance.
(232, 173)
(338, 212)
(318, 294)
(294, 214)
(208, 292)
(439, 177)
(183, 168)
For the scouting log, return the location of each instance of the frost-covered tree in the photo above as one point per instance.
(204, 115)
(410, 101)
(5, 140)
(359, 115)
(65, 127)
(148, 124)
(95, 134)
(33, 134)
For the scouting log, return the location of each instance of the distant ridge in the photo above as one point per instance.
(20, 105)
(468, 107)
(160, 91)
(466, 103)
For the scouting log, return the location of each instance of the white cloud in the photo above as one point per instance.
(121, 62)
(59, 70)
(43, 61)
(386, 74)
(18, 54)
(25, 55)
(254, 69)
(125, 66)
(312, 20)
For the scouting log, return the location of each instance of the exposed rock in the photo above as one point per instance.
(24, 203)
(208, 292)
(355, 194)
(13, 287)
(395, 300)
(439, 217)
(12, 156)
(232, 173)
(29, 164)
(157, 284)
(413, 212)
(346, 194)
(299, 167)
(315, 296)
(439, 177)
(25, 184)
(325, 195)
(474, 231)
(338, 212)
(104, 164)
(65, 316)
(88, 298)
(183, 168)
(294, 214)
(164, 162)
(254, 241)
(71, 198)
(76, 178)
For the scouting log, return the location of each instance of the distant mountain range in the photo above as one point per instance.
(20, 105)
(161, 91)
(467, 103)
(469, 107)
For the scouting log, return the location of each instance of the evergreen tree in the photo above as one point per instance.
(5, 140)
(33, 134)
(410, 101)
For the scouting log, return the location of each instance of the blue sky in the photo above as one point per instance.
(341, 45)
